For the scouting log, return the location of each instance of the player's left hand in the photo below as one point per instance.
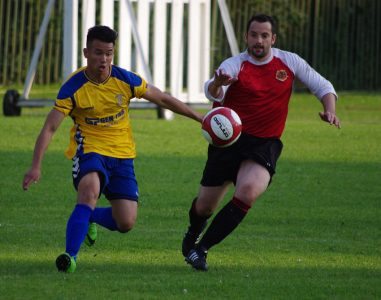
(331, 118)
(32, 176)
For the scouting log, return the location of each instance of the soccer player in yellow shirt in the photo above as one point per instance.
(102, 148)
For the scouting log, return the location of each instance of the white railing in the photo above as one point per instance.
(135, 48)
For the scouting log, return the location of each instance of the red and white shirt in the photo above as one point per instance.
(262, 92)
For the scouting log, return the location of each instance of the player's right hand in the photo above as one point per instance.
(32, 176)
(330, 118)
(222, 78)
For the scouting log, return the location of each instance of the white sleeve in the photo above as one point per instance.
(317, 84)
(230, 66)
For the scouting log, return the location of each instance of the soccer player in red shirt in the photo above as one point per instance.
(257, 84)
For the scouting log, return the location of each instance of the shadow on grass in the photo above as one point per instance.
(141, 281)
(312, 208)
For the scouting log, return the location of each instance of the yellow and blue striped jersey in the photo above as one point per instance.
(100, 112)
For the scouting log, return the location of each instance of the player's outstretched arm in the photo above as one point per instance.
(165, 100)
(221, 78)
(52, 122)
(329, 114)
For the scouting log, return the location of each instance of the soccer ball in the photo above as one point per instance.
(221, 127)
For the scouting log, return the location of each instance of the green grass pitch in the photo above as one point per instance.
(315, 234)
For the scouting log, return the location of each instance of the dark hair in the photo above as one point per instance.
(262, 18)
(101, 33)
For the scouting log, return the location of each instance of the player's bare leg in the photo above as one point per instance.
(124, 213)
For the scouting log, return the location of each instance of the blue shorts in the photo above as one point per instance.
(117, 175)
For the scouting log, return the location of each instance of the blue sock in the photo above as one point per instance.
(76, 228)
(103, 217)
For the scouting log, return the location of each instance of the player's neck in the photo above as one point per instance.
(97, 77)
(262, 60)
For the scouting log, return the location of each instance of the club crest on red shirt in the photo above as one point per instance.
(281, 75)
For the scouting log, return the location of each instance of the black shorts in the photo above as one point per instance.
(223, 163)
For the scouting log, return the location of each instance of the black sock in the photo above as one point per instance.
(197, 223)
(224, 223)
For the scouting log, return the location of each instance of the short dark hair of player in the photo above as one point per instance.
(262, 18)
(101, 33)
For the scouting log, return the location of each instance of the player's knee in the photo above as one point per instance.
(248, 193)
(125, 226)
(89, 198)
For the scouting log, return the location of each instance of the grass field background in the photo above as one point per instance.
(315, 234)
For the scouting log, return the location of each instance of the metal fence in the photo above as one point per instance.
(19, 26)
(339, 38)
